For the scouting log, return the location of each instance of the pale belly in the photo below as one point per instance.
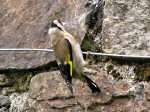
(61, 51)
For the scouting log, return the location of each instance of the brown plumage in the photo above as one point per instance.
(69, 55)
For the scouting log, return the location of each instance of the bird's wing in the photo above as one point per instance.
(67, 67)
(70, 57)
(65, 72)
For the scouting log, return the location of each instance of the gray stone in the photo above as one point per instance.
(4, 109)
(4, 103)
(126, 27)
(5, 81)
(24, 24)
(49, 85)
(49, 93)
(18, 102)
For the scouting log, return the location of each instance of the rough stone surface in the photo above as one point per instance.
(48, 93)
(126, 27)
(125, 31)
(43, 86)
(24, 24)
(54, 91)
(4, 103)
(18, 102)
(14, 82)
(125, 71)
(5, 81)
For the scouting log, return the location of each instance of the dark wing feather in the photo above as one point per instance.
(66, 68)
(92, 85)
(65, 72)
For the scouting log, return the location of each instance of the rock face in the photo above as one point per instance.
(47, 89)
(4, 103)
(24, 24)
(126, 27)
(48, 93)
(18, 102)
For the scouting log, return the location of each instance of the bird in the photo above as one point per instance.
(69, 56)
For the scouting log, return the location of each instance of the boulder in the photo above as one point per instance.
(126, 27)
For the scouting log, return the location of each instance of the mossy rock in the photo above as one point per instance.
(143, 73)
(20, 84)
(88, 44)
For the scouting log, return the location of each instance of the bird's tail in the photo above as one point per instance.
(92, 85)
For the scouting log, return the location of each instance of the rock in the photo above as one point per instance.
(14, 82)
(18, 102)
(118, 71)
(125, 31)
(5, 81)
(126, 27)
(4, 103)
(3, 109)
(24, 24)
(44, 106)
(93, 22)
(48, 93)
(138, 89)
(49, 89)
(121, 89)
(143, 72)
(147, 91)
(48, 85)
(7, 90)
(86, 98)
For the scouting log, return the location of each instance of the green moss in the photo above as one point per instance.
(21, 81)
(88, 43)
(20, 78)
(109, 68)
(143, 73)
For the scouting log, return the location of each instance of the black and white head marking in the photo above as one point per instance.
(58, 24)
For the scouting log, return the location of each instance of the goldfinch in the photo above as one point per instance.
(69, 56)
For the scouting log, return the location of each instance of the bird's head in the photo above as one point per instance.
(57, 24)
(55, 31)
